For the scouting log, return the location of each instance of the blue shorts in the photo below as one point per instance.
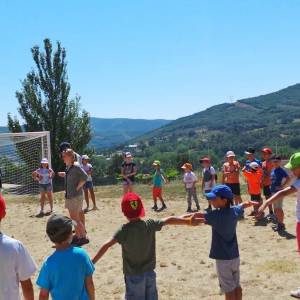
(45, 187)
(141, 287)
(88, 185)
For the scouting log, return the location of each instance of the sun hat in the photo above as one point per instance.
(230, 154)
(187, 166)
(267, 150)
(58, 227)
(85, 157)
(44, 161)
(254, 165)
(2, 207)
(156, 163)
(132, 206)
(294, 161)
(250, 151)
(205, 159)
(220, 190)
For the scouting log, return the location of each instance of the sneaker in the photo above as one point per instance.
(95, 208)
(271, 217)
(279, 227)
(189, 210)
(154, 207)
(40, 214)
(86, 210)
(82, 241)
(163, 207)
(296, 293)
(252, 214)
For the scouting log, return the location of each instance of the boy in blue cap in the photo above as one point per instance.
(224, 245)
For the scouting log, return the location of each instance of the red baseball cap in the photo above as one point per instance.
(267, 150)
(2, 207)
(132, 206)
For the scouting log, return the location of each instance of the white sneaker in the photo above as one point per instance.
(296, 293)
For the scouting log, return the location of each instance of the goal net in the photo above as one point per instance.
(20, 155)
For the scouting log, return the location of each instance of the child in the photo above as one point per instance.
(44, 176)
(16, 265)
(254, 178)
(279, 179)
(231, 176)
(266, 180)
(88, 186)
(75, 178)
(68, 272)
(224, 246)
(128, 172)
(208, 176)
(158, 180)
(190, 180)
(294, 166)
(251, 158)
(137, 238)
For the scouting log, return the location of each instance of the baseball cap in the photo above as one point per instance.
(250, 151)
(220, 190)
(267, 150)
(132, 206)
(2, 207)
(254, 165)
(64, 145)
(128, 154)
(59, 228)
(294, 161)
(205, 159)
(187, 166)
(86, 157)
(230, 154)
(156, 163)
(44, 161)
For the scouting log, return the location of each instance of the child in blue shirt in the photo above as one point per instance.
(224, 245)
(68, 272)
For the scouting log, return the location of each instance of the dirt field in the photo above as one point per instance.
(270, 266)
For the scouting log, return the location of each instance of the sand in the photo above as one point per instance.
(269, 263)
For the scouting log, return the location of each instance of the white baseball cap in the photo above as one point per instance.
(86, 157)
(254, 165)
(230, 154)
(44, 161)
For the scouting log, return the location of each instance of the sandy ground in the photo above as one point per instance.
(269, 263)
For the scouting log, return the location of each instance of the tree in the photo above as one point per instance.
(45, 105)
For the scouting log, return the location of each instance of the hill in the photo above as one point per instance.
(111, 132)
(272, 119)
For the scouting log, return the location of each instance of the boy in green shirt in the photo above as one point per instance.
(137, 239)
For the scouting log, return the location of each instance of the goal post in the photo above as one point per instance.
(20, 155)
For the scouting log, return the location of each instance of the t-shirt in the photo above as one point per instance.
(267, 168)
(296, 185)
(158, 178)
(189, 178)
(248, 162)
(253, 181)
(231, 171)
(277, 176)
(87, 168)
(45, 175)
(138, 245)
(15, 265)
(209, 177)
(63, 274)
(128, 169)
(223, 221)
(74, 174)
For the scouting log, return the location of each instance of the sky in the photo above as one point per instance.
(154, 59)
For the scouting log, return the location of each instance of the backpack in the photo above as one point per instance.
(208, 176)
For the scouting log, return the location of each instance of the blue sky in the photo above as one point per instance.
(158, 58)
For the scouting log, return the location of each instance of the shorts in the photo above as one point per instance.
(267, 191)
(139, 287)
(88, 185)
(235, 188)
(256, 198)
(74, 204)
(228, 272)
(128, 182)
(157, 192)
(45, 187)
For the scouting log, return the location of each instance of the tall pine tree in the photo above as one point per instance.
(45, 105)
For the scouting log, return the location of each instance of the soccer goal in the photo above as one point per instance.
(20, 155)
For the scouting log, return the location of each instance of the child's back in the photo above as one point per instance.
(63, 274)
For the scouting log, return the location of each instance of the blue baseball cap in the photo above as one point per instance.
(221, 190)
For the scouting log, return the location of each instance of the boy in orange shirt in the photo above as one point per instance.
(254, 179)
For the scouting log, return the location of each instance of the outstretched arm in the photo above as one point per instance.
(183, 220)
(249, 203)
(103, 249)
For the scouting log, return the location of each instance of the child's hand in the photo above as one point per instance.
(194, 221)
(61, 174)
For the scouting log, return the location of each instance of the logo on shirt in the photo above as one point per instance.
(134, 204)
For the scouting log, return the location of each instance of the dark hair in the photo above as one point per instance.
(276, 157)
(61, 237)
(229, 202)
(41, 167)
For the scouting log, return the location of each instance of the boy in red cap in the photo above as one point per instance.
(137, 238)
(267, 166)
(16, 264)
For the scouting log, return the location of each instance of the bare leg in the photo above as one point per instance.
(42, 201)
(125, 189)
(86, 197)
(280, 215)
(238, 293)
(50, 198)
(130, 188)
(230, 296)
(79, 229)
(93, 197)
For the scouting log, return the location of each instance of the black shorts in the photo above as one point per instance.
(267, 191)
(235, 188)
(256, 198)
